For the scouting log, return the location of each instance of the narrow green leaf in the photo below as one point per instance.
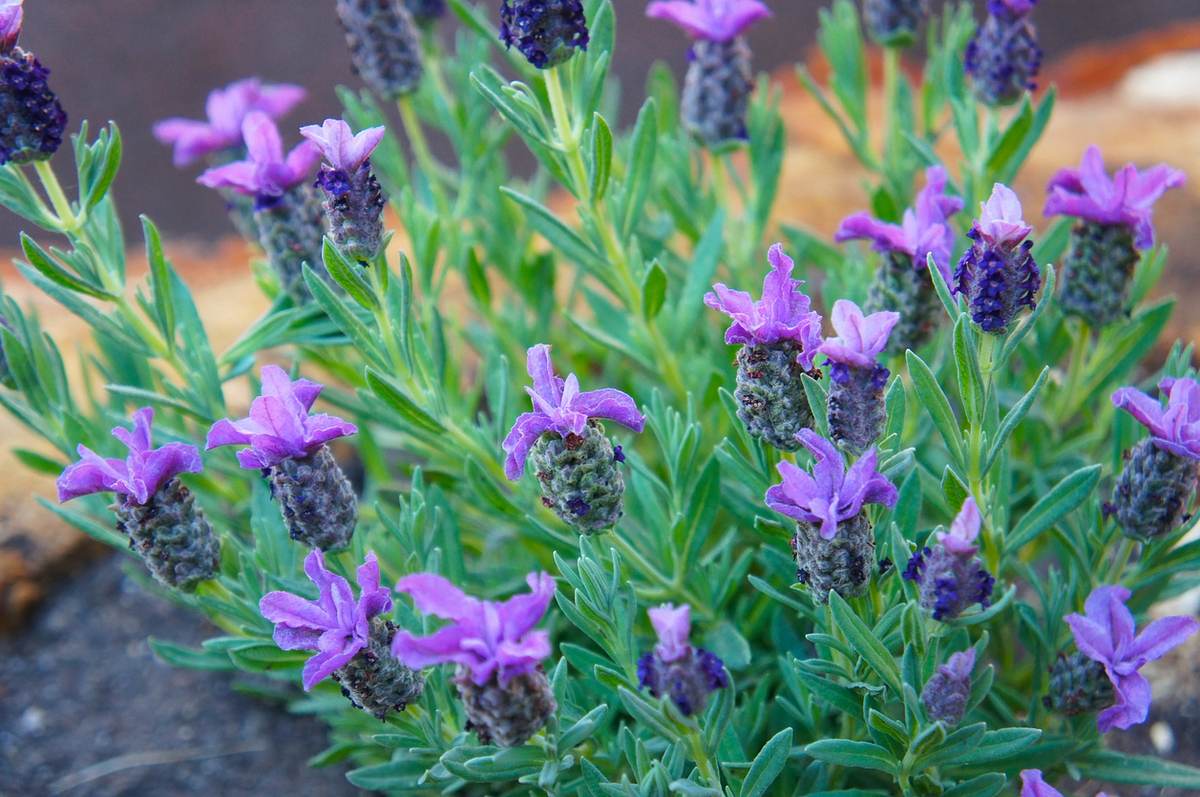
(601, 160)
(865, 643)
(348, 275)
(1114, 767)
(1069, 493)
(767, 765)
(846, 753)
(1012, 418)
(934, 399)
(654, 290)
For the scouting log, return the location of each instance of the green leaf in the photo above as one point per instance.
(846, 753)
(189, 658)
(767, 765)
(1114, 767)
(44, 263)
(988, 785)
(934, 399)
(648, 714)
(1012, 418)
(970, 377)
(639, 173)
(394, 396)
(997, 745)
(583, 728)
(561, 237)
(601, 160)
(110, 142)
(654, 290)
(865, 643)
(1069, 493)
(160, 281)
(348, 275)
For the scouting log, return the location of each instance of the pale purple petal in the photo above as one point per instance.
(520, 656)
(1132, 706)
(286, 609)
(528, 427)
(92, 474)
(541, 371)
(1091, 638)
(373, 599)
(325, 663)
(712, 20)
(444, 645)
(320, 429)
(1106, 607)
(1000, 221)
(886, 237)
(11, 17)
(300, 162)
(1160, 637)
(432, 594)
(1032, 785)
(240, 176)
(190, 139)
(960, 665)
(673, 625)
(262, 139)
(278, 99)
(964, 531)
(1145, 409)
(343, 149)
(612, 404)
(860, 338)
(289, 638)
(520, 613)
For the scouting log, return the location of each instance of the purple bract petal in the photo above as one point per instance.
(1032, 785)
(1175, 428)
(714, 20)
(342, 148)
(279, 426)
(11, 17)
(267, 171)
(960, 665)
(964, 531)
(860, 337)
(1000, 221)
(673, 625)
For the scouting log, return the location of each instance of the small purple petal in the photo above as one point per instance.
(713, 20)
(435, 595)
(1032, 785)
(673, 625)
(342, 148)
(964, 531)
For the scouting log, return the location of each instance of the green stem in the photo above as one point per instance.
(1081, 337)
(1120, 561)
(421, 152)
(67, 219)
(700, 756)
(891, 93)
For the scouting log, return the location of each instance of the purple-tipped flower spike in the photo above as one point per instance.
(1115, 220)
(1032, 785)
(945, 694)
(352, 638)
(855, 406)
(225, 110)
(1105, 633)
(353, 199)
(834, 545)
(32, 120)
(1003, 57)
(902, 283)
(675, 669)
(546, 32)
(153, 507)
(998, 274)
(289, 446)
(500, 678)
(894, 23)
(1163, 471)
(716, 92)
(385, 46)
(949, 576)
(780, 335)
(290, 222)
(575, 462)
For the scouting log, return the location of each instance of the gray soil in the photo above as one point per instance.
(86, 709)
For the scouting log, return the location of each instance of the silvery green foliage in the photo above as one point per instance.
(427, 347)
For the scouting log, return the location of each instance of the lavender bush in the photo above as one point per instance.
(942, 595)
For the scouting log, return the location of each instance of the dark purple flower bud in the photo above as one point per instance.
(547, 32)
(153, 508)
(353, 199)
(1003, 57)
(950, 577)
(32, 121)
(287, 443)
(945, 694)
(998, 274)
(855, 407)
(894, 23)
(674, 669)
(426, 12)
(1116, 220)
(1162, 473)
(1078, 685)
(385, 48)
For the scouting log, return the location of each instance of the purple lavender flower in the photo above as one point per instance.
(1032, 784)
(902, 283)
(267, 172)
(998, 274)
(32, 120)
(1003, 56)
(546, 32)
(949, 576)
(225, 110)
(137, 477)
(353, 199)
(946, 692)
(575, 462)
(426, 12)
(855, 406)
(153, 508)
(1163, 471)
(675, 669)
(289, 446)
(385, 45)
(894, 23)
(1105, 633)
(500, 678)
(710, 20)
(832, 495)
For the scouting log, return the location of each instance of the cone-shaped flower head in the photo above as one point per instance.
(674, 668)
(1032, 784)
(139, 475)
(710, 20)
(267, 172)
(12, 16)
(923, 231)
(1125, 199)
(783, 313)
(546, 32)
(487, 638)
(335, 625)
(860, 338)
(949, 576)
(343, 149)
(894, 23)
(1174, 428)
(1105, 633)
(280, 426)
(946, 692)
(831, 494)
(225, 110)
(559, 407)
(1003, 57)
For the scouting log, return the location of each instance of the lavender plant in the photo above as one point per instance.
(946, 605)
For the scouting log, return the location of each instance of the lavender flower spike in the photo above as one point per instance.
(947, 690)
(902, 283)
(1105, 633)
(153, 508)
(575, 462)
(780, 335)
(716, 92)
(546, 32)
(353, 199)
(834, 545)
(225, 111)
(1116, 220)
(352, 638)
(855, 406)
(998, 274)
(500, 678)
(894, 23)
(289, 445)
(1003, 57)
(1032, 785)
(949, 576)
(384, 43)
(1163, 471)
(675, 669)
(32, 120)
